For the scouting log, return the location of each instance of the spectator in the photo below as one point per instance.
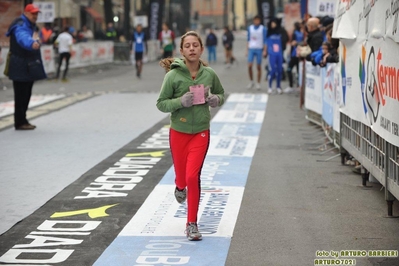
(315, 35)
(256, 48)
(45, 34)
(296, 38)
(139, 47)
(64, 43)
(167, 41)
(110, 32)
(228, 39)
(211, 43)
(25, 65)
(87, 34)
(275, 52)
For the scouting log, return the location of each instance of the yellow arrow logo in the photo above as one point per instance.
(152, 154)
(92, 213)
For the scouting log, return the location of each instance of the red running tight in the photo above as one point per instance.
(188, 153)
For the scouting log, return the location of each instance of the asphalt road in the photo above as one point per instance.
(293, 204)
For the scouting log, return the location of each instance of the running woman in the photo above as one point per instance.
(189, 121)
(256, 48)
(275, 51)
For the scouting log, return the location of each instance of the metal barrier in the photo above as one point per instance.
(377, 156)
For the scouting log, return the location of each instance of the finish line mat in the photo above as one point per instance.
(123, 211)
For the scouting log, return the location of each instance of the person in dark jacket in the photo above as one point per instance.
(228, 39)
(211, 43)
(25, 65)
(315, 35)
(297, 37)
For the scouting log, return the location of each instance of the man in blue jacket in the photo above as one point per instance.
(25, 63)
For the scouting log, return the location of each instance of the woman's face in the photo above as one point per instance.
(273, 24)
(192, 49)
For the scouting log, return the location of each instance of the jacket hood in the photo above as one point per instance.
(178, 63)
(19, 21)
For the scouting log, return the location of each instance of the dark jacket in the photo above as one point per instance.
(315, 39)
(211, 40)
(228, 39)
(25, 63)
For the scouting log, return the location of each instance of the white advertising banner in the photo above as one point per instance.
(313, 88)
(391, 21)
(369, 69)
(346, 21)
(3, 59)
(47, 12)
(83, 54)
(48, 58)
(338, 98)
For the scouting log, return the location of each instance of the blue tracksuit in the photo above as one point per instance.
(275, 52)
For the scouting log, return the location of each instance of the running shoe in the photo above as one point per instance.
(270, 91)
(192, 232)
(250, 85)
(257, 86)
(180, 195)
(288, 90)
(279, 91)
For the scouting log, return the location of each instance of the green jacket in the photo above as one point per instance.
(176, 83)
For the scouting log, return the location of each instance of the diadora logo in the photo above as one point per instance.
(378, 81)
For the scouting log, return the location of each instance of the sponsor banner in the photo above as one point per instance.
(239, 116)
(313, 88)
(247, 98)
(156, 18)
(103, 52)
(7, 108)
(233, 146)
(47, 52)
(47, 12)
(328, 75)
(265, 10)
(238, 129)
(373, 97)
(218, 171)
(165, 250)
(338, 97)
(321, 8)
(161, 215)
(372, 19)
(83, 54)
(391, 20)
(346, 22)
(3, 58)
(260, 106)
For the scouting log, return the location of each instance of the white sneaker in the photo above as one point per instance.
(279, 91)
(270, 91)
(250, 85)
(288, 90)
(257, 86)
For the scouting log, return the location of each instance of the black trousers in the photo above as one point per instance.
(22, 94)
(67, 56)
(294, 62)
